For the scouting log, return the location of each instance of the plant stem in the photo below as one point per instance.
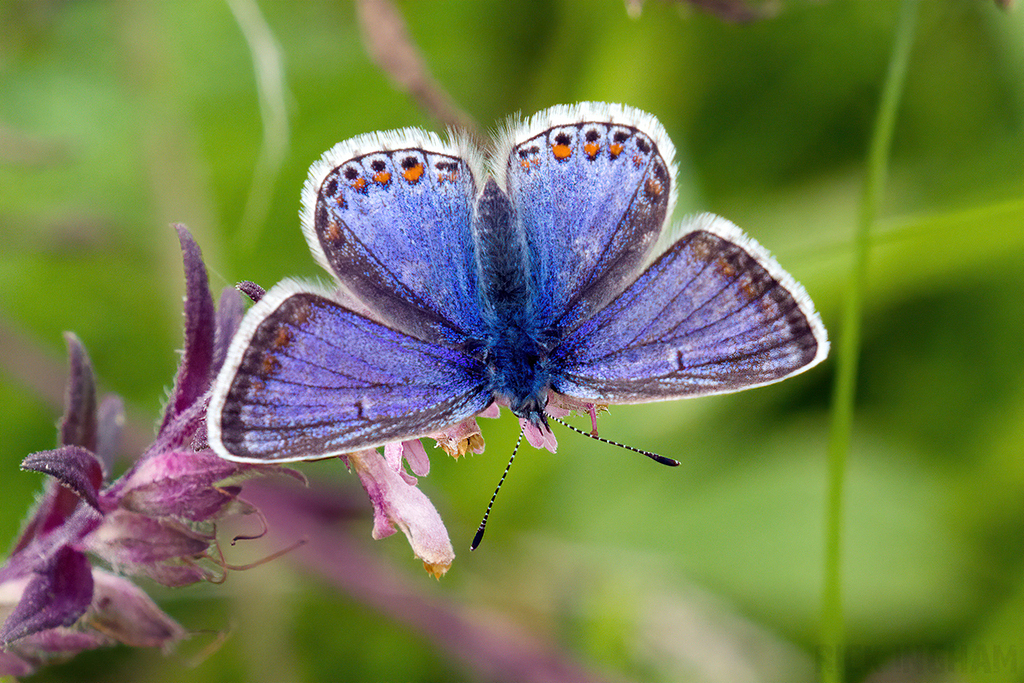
(833, 638)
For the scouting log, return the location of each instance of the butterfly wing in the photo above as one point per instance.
(715, 313)
(307, 378)
(591, 185)
(389, 215)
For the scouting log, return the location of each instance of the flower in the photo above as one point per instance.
(157, 520)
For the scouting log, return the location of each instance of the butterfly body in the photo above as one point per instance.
(454, 290)
(515, 349)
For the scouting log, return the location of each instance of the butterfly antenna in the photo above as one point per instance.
(483, 523)
(653, 456)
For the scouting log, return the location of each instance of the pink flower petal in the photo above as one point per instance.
(417, 458)
(128, 538)
(186, 484)
(560, 406)
(10, 665)
(538, 437)
(399, 504)
(393, 453)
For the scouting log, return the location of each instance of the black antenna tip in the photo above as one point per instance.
(487, 513)
(476, 539)
(653, 456)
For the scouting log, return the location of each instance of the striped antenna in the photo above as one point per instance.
(480, 531)
(653, 456)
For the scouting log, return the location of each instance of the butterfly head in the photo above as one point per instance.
(531, 408)
(522, 379)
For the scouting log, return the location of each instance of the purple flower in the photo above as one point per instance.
(157, 520)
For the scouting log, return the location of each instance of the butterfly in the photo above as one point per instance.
(547, 269)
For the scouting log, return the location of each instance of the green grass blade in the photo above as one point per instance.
(844, 390)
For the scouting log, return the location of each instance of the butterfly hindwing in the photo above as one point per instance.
(591, 186)
(713, 314)
(389, 215)
(308, 378)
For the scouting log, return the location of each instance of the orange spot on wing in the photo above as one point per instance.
(653, 187)
(283, 338)
(615, 149)
(359, 183)
(333, 232)
(383, 177)
(270, 364)
(561, 151)
(725, 268)
(591, 148)
(413, 173)
(747, 288)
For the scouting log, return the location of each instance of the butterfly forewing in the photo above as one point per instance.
(591, 186)
(390, 216)
(713, 314)
(311, 378)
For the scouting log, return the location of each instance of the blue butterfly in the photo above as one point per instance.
(456, 288)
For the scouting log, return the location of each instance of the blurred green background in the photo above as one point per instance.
(118, 118)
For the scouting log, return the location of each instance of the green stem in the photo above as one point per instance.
(833, 639)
